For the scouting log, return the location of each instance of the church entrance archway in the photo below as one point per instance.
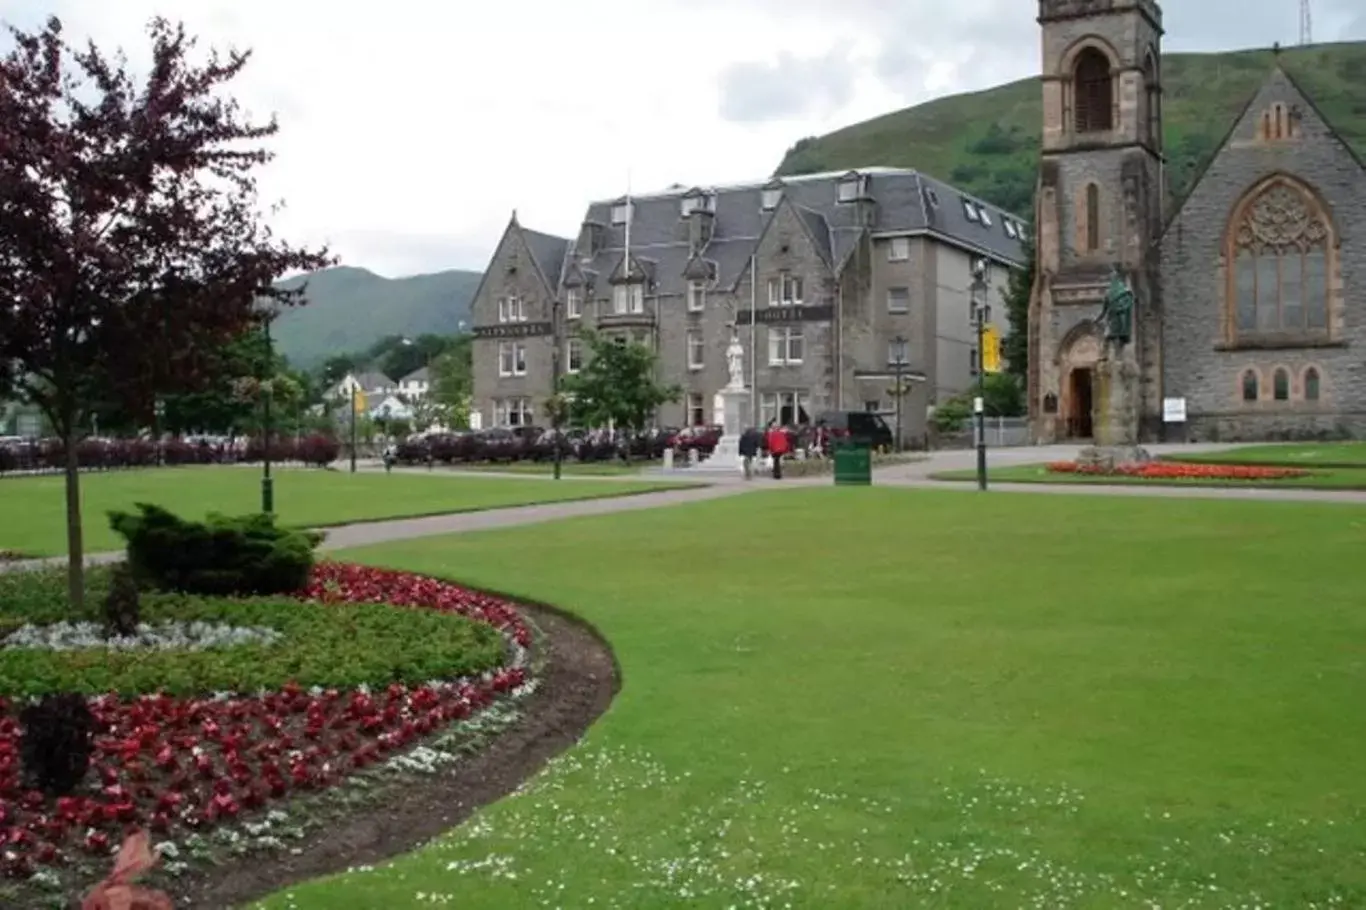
(1079, 403)
(1078, 357)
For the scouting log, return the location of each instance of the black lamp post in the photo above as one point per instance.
(555, 415)
(158, 417)
(267, 393)
(981, 315)
(899, 365)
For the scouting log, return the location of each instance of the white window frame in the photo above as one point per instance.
(785, 290)
(899, 249)
(511, 358)
(904, 306)
(622, 212)
(696, 350)
(571, 347)
(697, 407)
(502, 309)
(573, 304)
(511, 309)
(850, 189)
(771, 198)
(984, 215)
(520, 408)
(782, 342)
(771, 405)
(500, 412)
(970, 211)
(697, 296)
(628, 299)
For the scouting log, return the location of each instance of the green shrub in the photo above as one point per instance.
(222, 555)
(328, 645)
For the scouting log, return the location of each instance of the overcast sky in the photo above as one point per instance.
(410, 130)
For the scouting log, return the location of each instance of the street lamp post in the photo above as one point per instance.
(981, 315)
(354, 389)
(159, 416)
(555, 415)
(267, 393)
(899, 390)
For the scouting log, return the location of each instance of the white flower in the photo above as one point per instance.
(165, 636)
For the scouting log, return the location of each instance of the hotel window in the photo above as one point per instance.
(621, 212)
(628, 298)
(573, 304)
(511, 359)
(787, 408)
(785, 346)
(898, 351)
(697, 296)
(697, 411)
(771, 199)
(511, 309)
(695, 350)
(899, 249)
(785, 290)
(573, 355)
(512, 412)
(898, 300)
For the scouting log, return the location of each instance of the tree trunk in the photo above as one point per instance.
(75, 540)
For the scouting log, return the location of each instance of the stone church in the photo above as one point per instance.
(1250, 314)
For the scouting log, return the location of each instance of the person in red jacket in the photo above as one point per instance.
(778, 445)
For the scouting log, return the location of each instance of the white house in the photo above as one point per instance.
(416, 384)
(370, 384)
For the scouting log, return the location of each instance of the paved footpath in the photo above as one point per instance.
(915, 474)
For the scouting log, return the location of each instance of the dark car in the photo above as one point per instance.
(858, 426)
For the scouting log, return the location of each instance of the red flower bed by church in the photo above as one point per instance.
(179, 764)
(1173, 470)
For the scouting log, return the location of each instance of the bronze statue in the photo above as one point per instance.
(1117, 315)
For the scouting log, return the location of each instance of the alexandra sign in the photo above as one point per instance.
(512, 330)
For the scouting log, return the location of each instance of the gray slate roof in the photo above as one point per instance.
(372, 380)
(906, 202)
(422, 374)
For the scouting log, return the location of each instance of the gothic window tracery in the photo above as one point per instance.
(1280, 247)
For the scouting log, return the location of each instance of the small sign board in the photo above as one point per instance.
(1173, 410)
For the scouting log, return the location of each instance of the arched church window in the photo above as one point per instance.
(1092, 217)
(1280, 385)
(1092, 88)
(1152, 87)
(1311, 384)
(1250, 385)
(1278, 262)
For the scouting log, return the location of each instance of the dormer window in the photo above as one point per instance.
(984, 215)
(771, 199)
(622, 212)
(1011, 231)
(688, 205)
(970, 211)
(932, 196)
(695, 200)
(853, 187)
(628, 298)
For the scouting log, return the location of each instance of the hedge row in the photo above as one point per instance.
(50, 454)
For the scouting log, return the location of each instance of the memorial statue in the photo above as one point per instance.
(735, 359)
(1117, 315)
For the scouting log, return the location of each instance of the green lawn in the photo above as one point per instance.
(1016, 701)
(35, 522)
(1326, 479)
(1313, 455)
(568, 468)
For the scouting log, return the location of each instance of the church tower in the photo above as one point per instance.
(1098, 205)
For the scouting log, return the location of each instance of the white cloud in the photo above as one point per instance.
(410, 130)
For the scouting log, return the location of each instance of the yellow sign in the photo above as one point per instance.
(991, 349)
(358, 401)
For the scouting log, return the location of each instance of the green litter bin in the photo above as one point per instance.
(853, 465)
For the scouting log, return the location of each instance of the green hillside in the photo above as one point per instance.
(350, 309)
(987, 142)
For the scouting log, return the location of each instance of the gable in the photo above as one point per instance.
(1280, 129)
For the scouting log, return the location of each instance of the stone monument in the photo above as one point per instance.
(733, 400)
(1115, 398)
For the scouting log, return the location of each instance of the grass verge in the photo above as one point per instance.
(1313, 455)
(1128, 703)
(1344, 479)
(306, 498)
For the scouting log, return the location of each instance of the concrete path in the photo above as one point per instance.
(915, 474)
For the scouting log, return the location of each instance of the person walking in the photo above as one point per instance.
(778, 445)
(751, 440)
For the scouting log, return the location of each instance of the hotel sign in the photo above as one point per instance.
(512, 330)
(779, 314)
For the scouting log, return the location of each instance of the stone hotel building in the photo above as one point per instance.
(831, 279)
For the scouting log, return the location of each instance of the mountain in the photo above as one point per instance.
(350, 309)
(987, 143)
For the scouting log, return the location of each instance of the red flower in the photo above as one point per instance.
(1172, 470)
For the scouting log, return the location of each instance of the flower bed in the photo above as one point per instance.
(181, 763)
(1174, 470)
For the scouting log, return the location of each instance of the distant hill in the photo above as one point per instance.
(351, 308)
(987, 142)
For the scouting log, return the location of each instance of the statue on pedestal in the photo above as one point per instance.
(1117, 315)
(735, 359)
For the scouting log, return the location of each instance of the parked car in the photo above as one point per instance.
(859, 426)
